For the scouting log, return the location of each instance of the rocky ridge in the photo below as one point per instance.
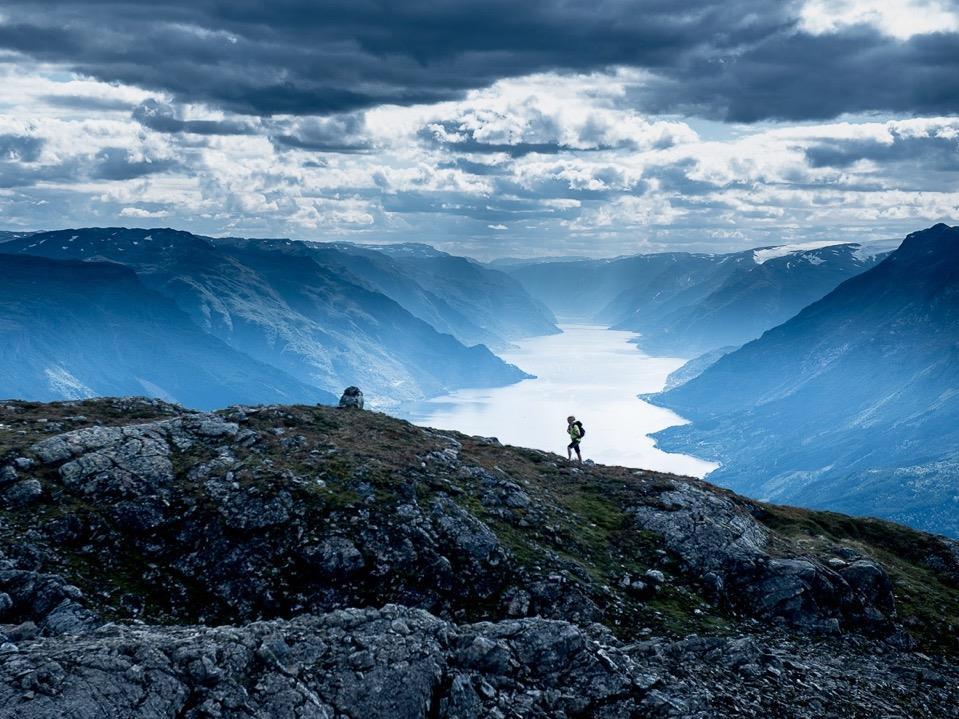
(313, 561)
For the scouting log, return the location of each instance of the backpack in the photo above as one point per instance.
(582, 429)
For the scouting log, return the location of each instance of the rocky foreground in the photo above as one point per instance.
(321, 562)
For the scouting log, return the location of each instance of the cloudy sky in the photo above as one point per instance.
(488, 128)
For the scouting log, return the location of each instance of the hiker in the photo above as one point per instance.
(576, 433)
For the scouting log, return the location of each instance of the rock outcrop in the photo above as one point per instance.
(389, 662)
(719, 540)
(352, 398)
(311, 562)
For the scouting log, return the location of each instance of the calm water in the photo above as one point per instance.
(590, 372)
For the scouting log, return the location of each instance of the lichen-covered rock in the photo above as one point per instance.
(8, 475)
(721, 542)
(46, 601)
(116, 462)
(393, 663)
(401, 663)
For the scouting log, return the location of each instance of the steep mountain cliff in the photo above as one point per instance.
(475, 304)
(613, 290)
(755, 297)
(81, 329)
(686, 304)
(319, 562)
(311, 322)
(853, 404)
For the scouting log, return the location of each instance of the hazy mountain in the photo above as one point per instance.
(379, 272)
(853, 404)
(79, 329)
(493, 299)
(669, 286)
(602, 290)
(765, 290)
(686, 303)
(516, 262)
(315, 323)
(475, 304)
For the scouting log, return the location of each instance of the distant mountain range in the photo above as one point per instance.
(320, 317)
(7, 235)
(455, 295)
(685, 304)
(582, 290)
(751, 297)
(823, 375)
(853, 404)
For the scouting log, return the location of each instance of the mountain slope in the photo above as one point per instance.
(9, 235)
(475, 304)
(687, 304)
(694, 367)
(756, 297)
(288, 311)
(678, 285)
(610, 290)
(492, 298)
(79, 329)
(310, 561)
(853, 404)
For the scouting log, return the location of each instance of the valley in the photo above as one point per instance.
(589, 371)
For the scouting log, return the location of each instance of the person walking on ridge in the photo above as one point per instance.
(576, 433)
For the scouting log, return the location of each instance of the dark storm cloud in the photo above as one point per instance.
(675, 179)
(16, 174)
(796, 76)
(475, 168)
(745, 60)
(308, 57)
(18, 166)
(164, 118)
(470, 144)
(502, 209)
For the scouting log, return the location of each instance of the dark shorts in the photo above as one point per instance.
(573, 445)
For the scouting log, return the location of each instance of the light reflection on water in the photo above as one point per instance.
(591, 372)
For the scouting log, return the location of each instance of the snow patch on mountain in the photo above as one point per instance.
(867, 250)
(763, 255)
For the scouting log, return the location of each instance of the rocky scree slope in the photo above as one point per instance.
(317, 562)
